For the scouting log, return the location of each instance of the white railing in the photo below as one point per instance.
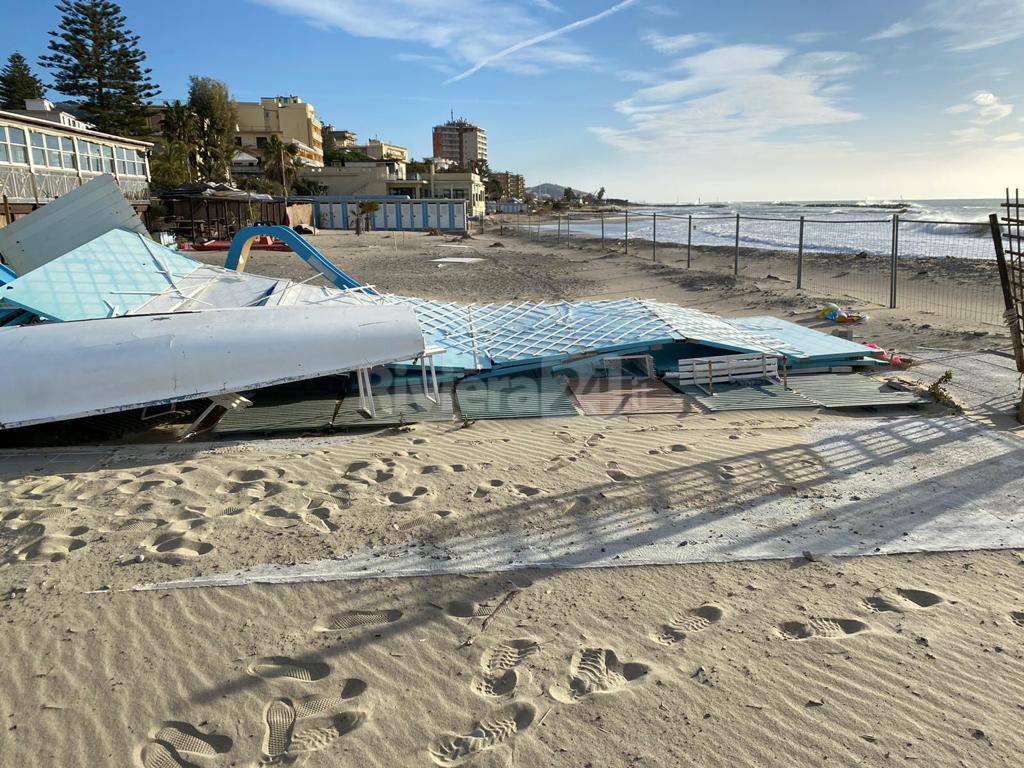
(20, 185)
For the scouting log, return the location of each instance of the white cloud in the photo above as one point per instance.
(967, 26)
(732, 94)
(808, 38)
(1014, 137)
(490, 58)
(669, 44)
(983, 109)
(465, 32)
(990, 108)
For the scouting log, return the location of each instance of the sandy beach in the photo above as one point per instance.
(904, 659)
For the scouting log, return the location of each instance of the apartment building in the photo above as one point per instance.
(382, 150)
(289, 118)
(513, 185)
(461, 142)
(45, 153)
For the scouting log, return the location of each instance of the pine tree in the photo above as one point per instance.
(97, 60)
(215, 110)
(17, 83)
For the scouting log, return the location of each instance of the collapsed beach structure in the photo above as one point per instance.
(104, 320)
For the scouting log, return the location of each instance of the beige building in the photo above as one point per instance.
(45, 153)
(381, 150)
(513, 185)
(459, 185)
(289, 118)
(342, 139)
(373, 178)
(461, 142)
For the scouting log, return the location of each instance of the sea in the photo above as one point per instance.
(927, 228)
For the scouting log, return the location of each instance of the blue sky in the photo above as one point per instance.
(654, 99)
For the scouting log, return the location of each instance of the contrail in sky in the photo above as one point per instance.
(540, 39)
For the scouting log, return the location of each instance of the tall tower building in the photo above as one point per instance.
(461, 142)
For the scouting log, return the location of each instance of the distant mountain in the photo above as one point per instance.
(553, 191)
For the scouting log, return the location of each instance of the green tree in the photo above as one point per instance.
(568, 195)
(279, 161)
(171, 166)
(600, 195)
(217, 118)
(17, 83)
(97, 60)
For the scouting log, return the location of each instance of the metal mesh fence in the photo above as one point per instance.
(939, 267)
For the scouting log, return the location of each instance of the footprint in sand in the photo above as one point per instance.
(273, 667)
(436, 469)
(503, 686)
(279, 722)
(323, 732)
(299, 727)
(319, 704)
(668, 449)
(904, 599)
(490, 731)
(1017, 617)
(526, 491)
(461, 609)
(615, 474)
(485, 489)
(402, 498)
(824, 629)
(694, 620)
(173, 739)
(508, 654)
(349, 620)
(594, 439)
(46, 549)
(177, 544)
(596, 670)
(372, 472)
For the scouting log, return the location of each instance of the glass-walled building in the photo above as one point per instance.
(44, 157)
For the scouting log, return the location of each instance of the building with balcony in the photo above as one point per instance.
(373, 178)
(45, 156)
(461, 142)
(289, 118)
(513, 185)
(381, 150)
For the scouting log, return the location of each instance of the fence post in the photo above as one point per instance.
(626, 234)
(654, 239)
(689, 237)
(895, 257)
(568, 218)
(602, 230)
(800, 257)
(736, 253)
(558, 235)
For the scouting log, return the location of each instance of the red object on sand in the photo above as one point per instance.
(261, 243)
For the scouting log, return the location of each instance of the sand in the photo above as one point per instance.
(895, 660)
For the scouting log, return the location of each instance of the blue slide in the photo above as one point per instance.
(238, 254)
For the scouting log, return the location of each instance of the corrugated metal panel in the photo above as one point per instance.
(68, 222)
(511, 397)
(277, 416)
(852, 390)
(739, 397)
(618, 397)
(407, 404)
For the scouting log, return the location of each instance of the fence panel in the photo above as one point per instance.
(846, 260)
(948, 269)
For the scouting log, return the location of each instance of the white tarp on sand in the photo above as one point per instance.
(896, 485)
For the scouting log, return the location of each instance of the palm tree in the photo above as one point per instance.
(280, 161)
